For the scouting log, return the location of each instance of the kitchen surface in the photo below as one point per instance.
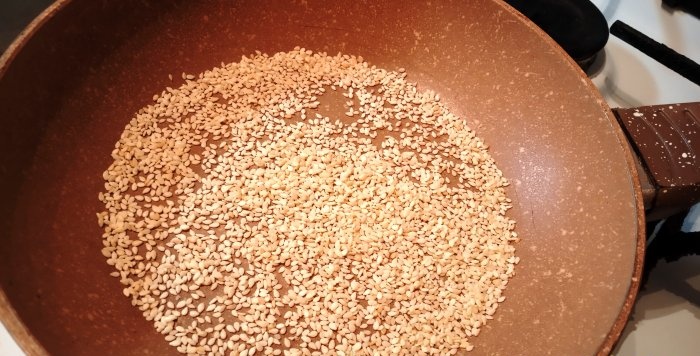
(666, 319)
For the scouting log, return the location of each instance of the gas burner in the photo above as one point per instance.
(667, 241)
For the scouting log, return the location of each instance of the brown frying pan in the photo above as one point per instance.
(74, 79)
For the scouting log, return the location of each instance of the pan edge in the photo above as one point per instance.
(619, 324)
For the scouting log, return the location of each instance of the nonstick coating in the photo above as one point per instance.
(76, 77)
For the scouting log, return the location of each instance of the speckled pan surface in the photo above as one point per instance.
(68, 90)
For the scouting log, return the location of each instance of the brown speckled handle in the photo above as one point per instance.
(667, 140)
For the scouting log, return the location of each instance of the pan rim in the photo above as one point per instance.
(618, 325)
(7, 57)
(30, 345)
(18, 331)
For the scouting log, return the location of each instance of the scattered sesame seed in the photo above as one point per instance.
(237, 228)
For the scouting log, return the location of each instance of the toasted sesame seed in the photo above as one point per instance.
(236, 227)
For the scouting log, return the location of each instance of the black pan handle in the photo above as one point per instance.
(658, 51)
(690, 6)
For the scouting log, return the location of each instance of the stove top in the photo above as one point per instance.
(628, 78)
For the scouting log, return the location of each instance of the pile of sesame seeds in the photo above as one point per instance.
(244, 218)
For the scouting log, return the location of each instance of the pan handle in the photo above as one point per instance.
(666, 140)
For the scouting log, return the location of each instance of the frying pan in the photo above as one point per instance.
(76, 76)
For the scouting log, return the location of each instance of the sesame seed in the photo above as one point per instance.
(242, 217)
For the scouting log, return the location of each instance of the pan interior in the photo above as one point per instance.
(69, 92)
